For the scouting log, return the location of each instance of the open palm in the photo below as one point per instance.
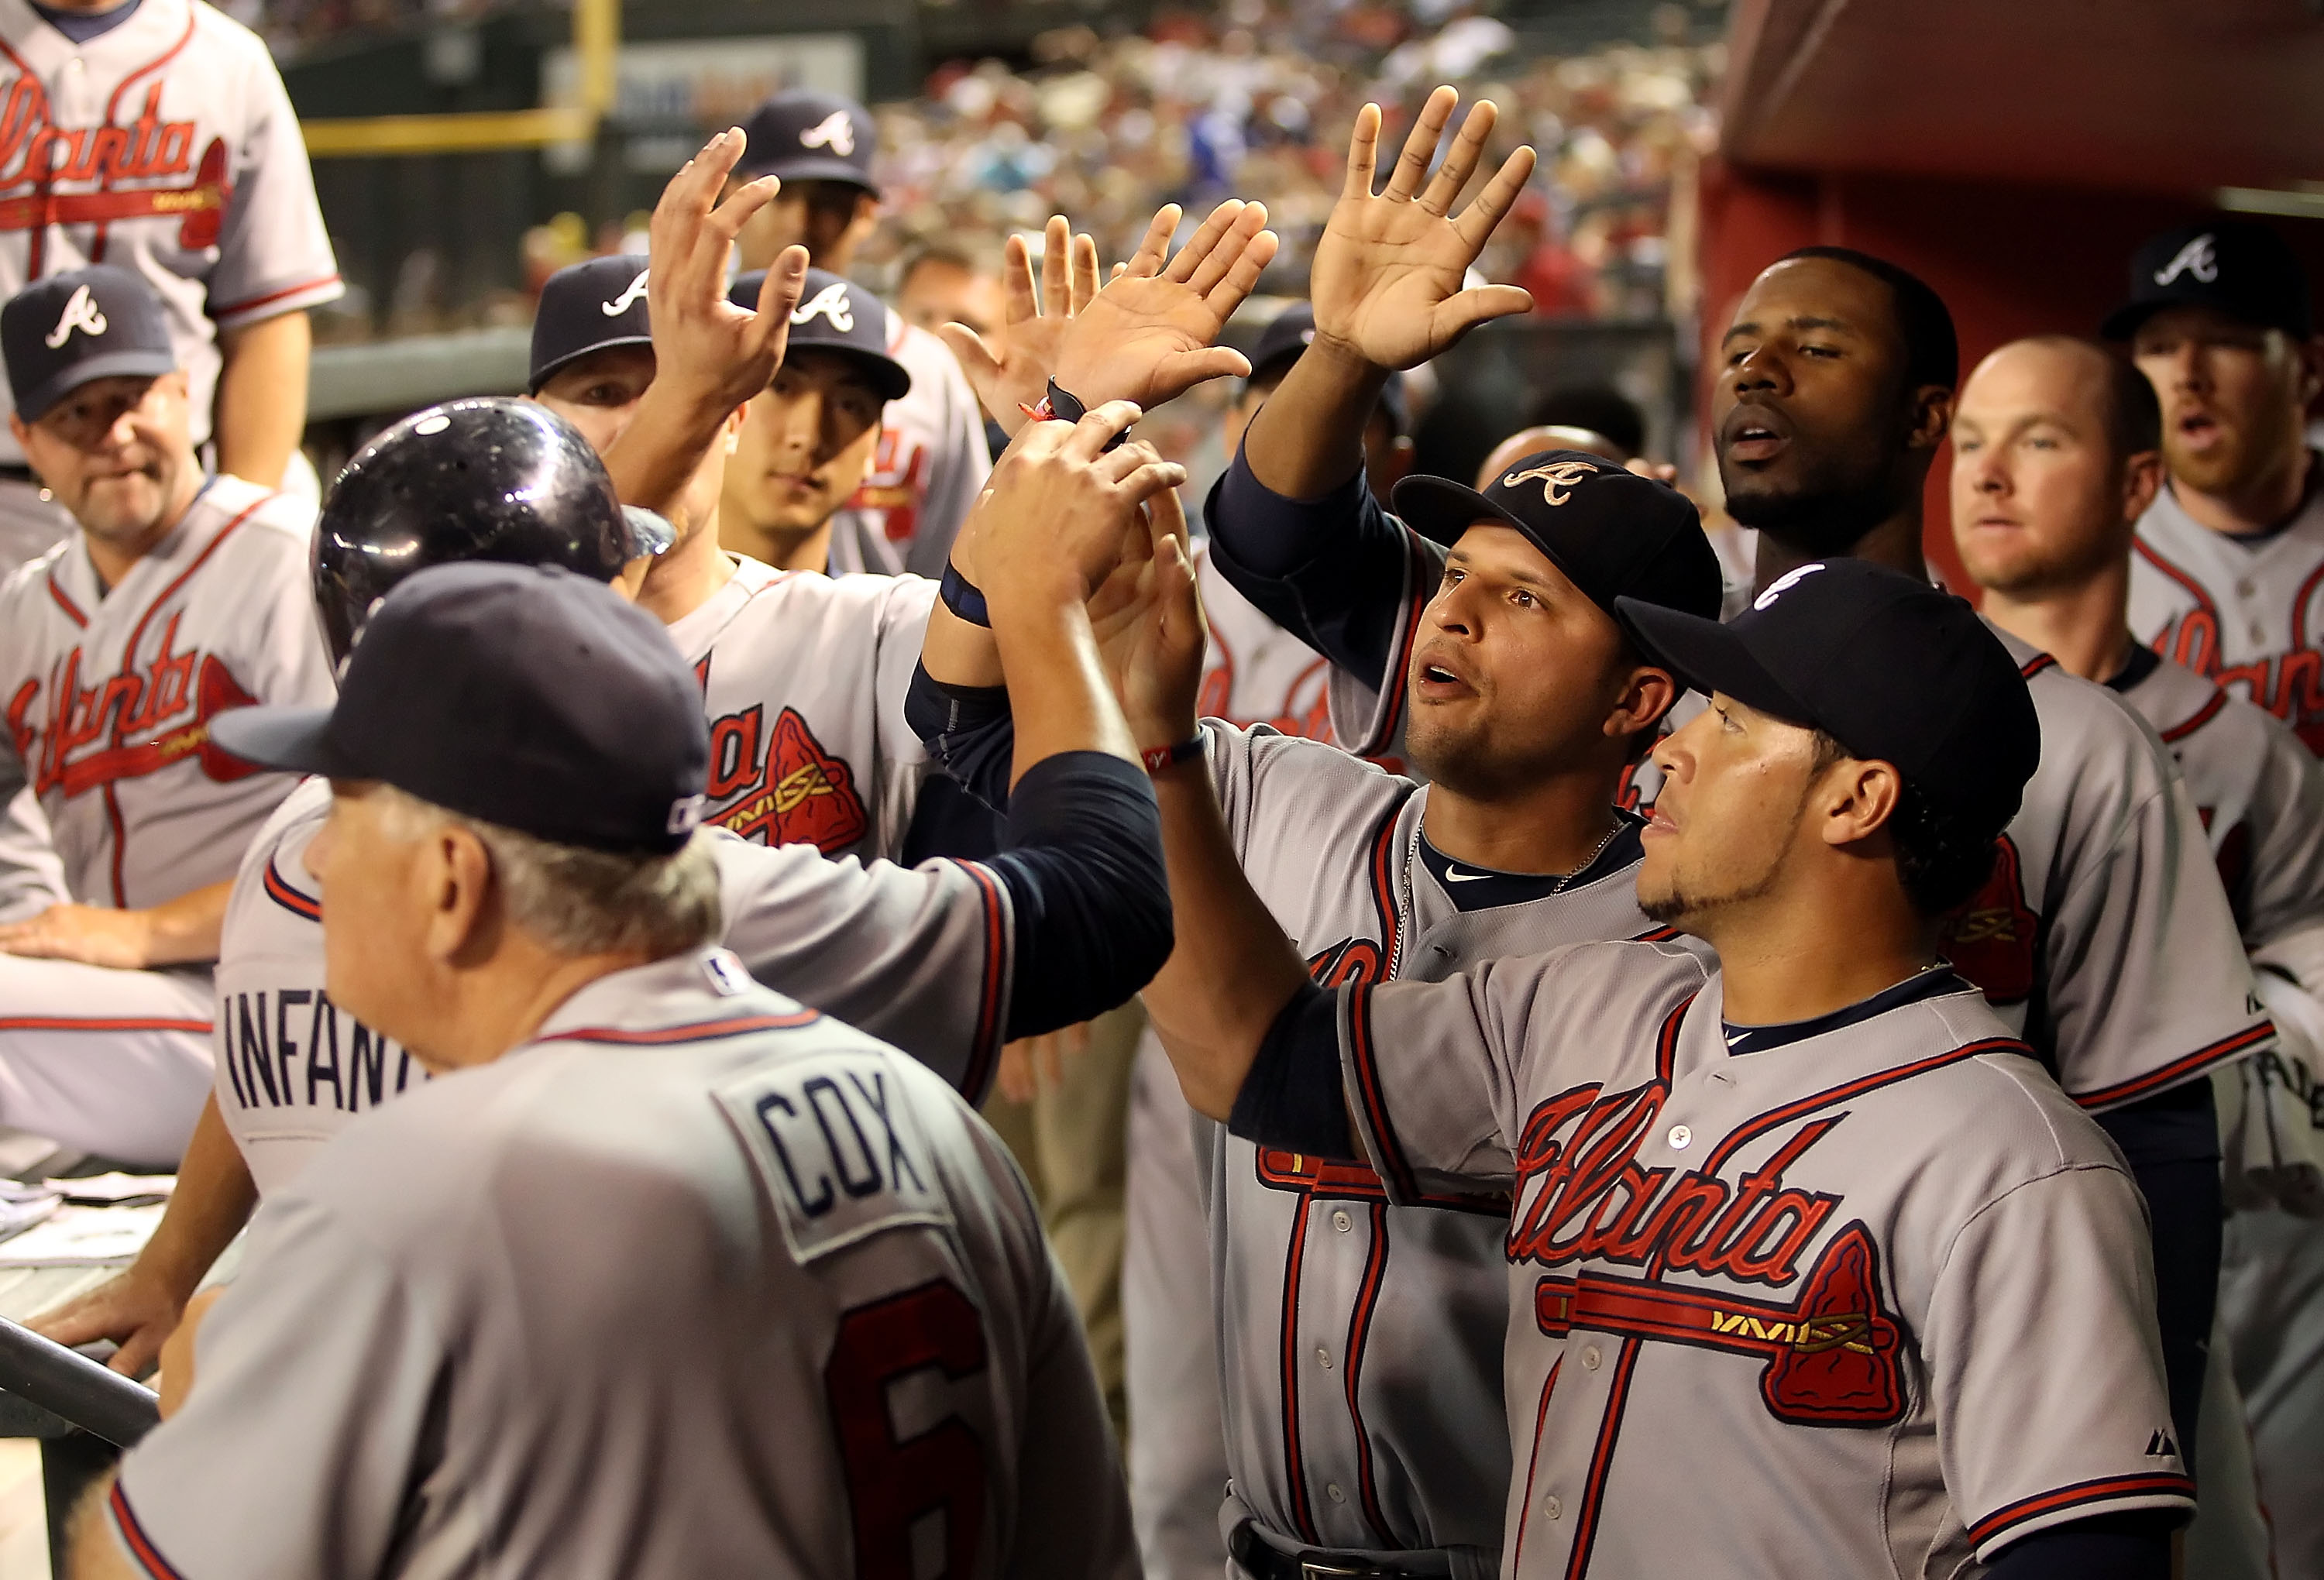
(1389, 270)
(1152, 333)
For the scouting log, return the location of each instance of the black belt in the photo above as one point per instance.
(1263, 1562)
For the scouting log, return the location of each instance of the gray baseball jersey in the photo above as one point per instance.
(803, 678)
(918, 956)
(1880, 1261)
(2247, 613)
(109, 693)
(1360, 1342)
(168, 146)
(773, 1301)
(2103, 937)
(931, 465)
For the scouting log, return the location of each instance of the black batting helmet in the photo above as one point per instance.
(473, 480)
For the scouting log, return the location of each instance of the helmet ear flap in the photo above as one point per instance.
(501, 480)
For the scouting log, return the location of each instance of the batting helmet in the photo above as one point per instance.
(473, 480)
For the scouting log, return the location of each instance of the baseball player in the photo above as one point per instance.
(2056, 454)
(157, 137)
(2104, 935)
(929, 457)
(181, 597)
(1807, 1237)
(794, 1267)
(2225, 579)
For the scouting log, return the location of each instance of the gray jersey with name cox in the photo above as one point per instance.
(698, 1281)
(2103, 937)
(804, 677)
(1878, 1299)
(918, 956)
(1360, 1343)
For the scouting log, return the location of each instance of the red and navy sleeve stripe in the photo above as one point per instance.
(2147, 1488)
(2178, 1069)
(1390, 1157)
(139, 1545)
(991, 1018)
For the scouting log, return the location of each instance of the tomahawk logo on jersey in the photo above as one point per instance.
(2249, 615)
(804, 678)
(166, 145)
(109, 693)
(1814, 1255)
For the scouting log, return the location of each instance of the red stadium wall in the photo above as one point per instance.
(2009, 260)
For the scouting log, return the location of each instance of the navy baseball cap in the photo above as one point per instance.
(1291, 332)
(834, 314)
(1615, 535)
(525, 695)
(2235, 266)
(804, 136)
(1893, 669)
(101, 322)
(585, 307)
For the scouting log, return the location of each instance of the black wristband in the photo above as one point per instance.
(1067, 407)
(960, 595)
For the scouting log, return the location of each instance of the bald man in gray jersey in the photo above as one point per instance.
(2056, 447)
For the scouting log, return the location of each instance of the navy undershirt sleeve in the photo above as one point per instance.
(2171, 1143)
(1082, 864)
(2113, 1547)
(1330, 570)
(968, 731)
(1291, 1097)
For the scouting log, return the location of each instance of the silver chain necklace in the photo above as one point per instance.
(1412, 859)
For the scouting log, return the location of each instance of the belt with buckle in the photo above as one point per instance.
(1264, 1562)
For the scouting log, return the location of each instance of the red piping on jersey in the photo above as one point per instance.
(2104, 1490)
(1656, 936)
(32, 252)
(279, 890)
(231, 308)
(1396, 681)
(113, 107)
(984, 1051)
(2300, 609)
(120, 845)
(72, 610)
(1666, 1042)
(133, 1537)
(1360, 1323)
(1524, 1509)
(75, 1022)
(1294, 1467)
(2178, 1069)
(1398, 1171)
(1617, 1392)
(2196, 719)
(699, 1032)
(2204, 606)
(2036, 665)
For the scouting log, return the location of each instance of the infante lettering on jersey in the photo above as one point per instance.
(302, 1050)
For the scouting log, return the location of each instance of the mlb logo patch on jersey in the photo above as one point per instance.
(835, 1141)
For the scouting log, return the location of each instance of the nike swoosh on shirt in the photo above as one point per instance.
(1455, 874)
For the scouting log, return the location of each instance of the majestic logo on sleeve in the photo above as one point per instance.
(1992, 940)
(836, 132)
(628, 299)
(1557, 479)
(783, 788)
(832, 303)
(1832, 1354)
(2199, 257)
(80, 313)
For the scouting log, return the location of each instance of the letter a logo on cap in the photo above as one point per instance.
(621, 304)
(836, 132)
(1556, 475)
(80, 313)
(831, 302)
(2199, 257)
(1784, 583)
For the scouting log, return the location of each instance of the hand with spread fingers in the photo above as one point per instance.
(721, 353)
(1152, 333)
(1060, 504)
(1388, 271)
(1018, 375)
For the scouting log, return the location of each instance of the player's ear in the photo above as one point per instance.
(1931, 416)
(1857, 797)
(464, 911)
(1646, 694)
(20, 428)
(2142, 480)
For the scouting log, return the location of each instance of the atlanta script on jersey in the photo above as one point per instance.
(166, 145)
(1888, 1266)
(108, 694)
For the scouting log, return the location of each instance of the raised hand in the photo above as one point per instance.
(1018, 375)
(1387, 283)
(1150, 630)
(1059, 505)
(1152, 333)
(719, 354)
